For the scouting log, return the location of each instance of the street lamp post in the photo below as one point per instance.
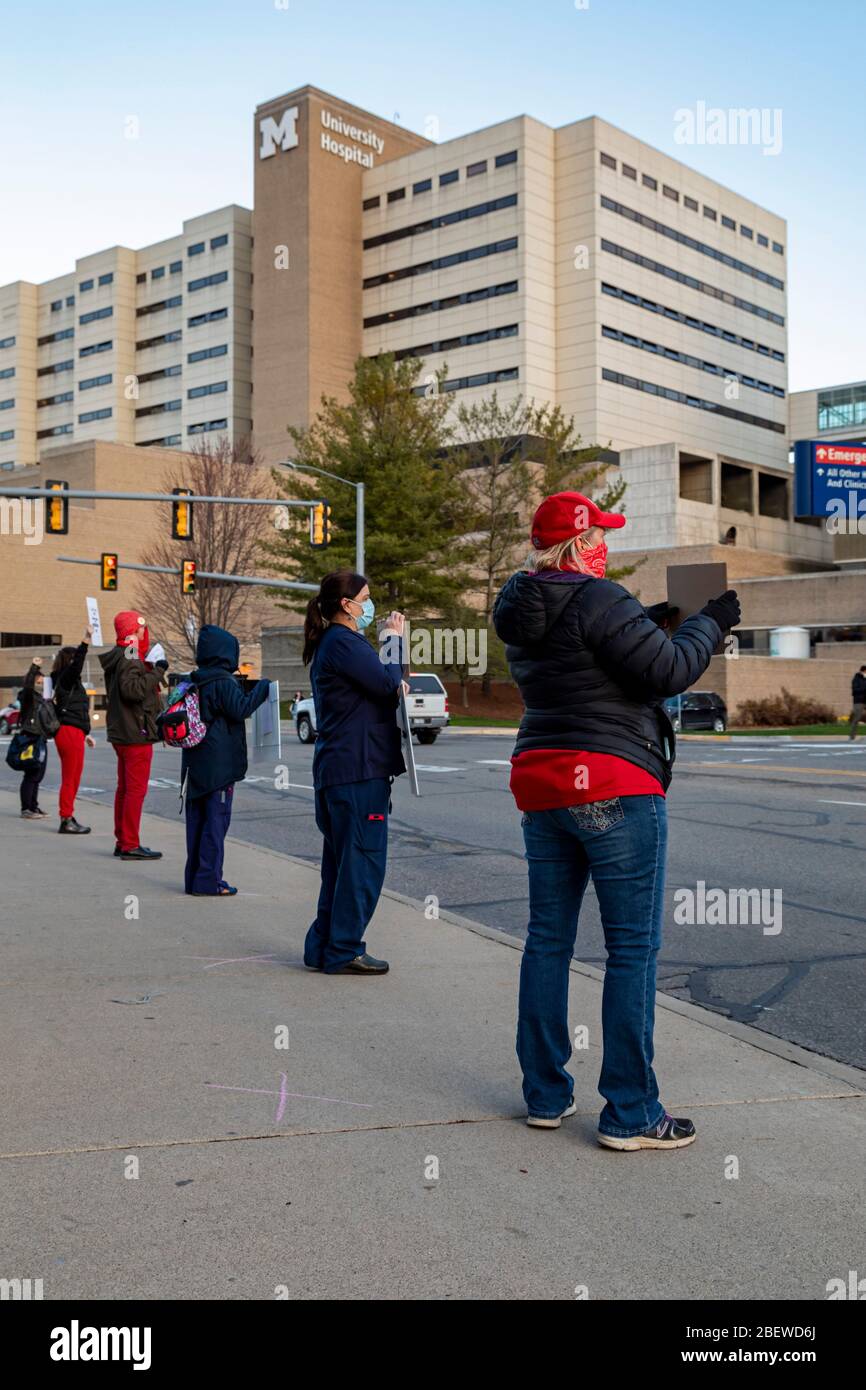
(359, 504)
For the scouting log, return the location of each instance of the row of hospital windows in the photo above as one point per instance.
(107, 312)
(511, 244)
(156, 274)
(204, 427)
(143, 378)
(480, 166)
(700, 246)
(628, 171)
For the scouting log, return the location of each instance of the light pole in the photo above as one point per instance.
(359, 504)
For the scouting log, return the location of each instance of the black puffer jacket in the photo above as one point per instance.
(593, 669)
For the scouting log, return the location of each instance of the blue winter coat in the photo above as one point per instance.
(356, 710)
(221, 757)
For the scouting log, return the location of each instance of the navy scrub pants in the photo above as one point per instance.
(353, 820)
(207, 823)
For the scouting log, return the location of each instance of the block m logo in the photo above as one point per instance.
(278, 135)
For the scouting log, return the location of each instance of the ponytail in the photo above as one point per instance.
(324, 605)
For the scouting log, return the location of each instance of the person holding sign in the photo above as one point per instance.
(589, 772)
(73, 710)
(132, 687)
(357, 757)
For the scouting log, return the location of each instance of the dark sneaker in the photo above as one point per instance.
(667, 1134)
(551, 1121)
(363, 965)
(40, 814)
(29, 815)
(141, 853)
(70, 826)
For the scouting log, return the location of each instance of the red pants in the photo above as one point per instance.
(70, 748)
(133, 769)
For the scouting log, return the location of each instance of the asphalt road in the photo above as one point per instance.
(784, 817)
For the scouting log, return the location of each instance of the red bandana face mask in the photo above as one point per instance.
(592, 561)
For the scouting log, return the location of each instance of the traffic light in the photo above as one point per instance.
(109, 571)
(320, 525)
(56, 509)
(181, 516)
(187, 577)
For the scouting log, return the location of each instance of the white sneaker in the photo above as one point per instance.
(551, 1121)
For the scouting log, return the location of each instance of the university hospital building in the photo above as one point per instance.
(576, 266)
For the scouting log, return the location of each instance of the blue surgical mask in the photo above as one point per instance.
(368, 612)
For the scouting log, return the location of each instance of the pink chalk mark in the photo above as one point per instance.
(237, 960)
(285, 1095)
(282, 1105)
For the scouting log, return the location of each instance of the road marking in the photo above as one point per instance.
(432, 767)
(494, 762)
(101, 790)
(824, 801)
(754, 760)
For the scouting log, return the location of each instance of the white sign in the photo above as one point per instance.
(405, 726)
(350, 154)
(93, 621)
(278, 135)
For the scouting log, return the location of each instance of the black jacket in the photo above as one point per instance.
(70, 696)
(355, 695)
(858, 689)
(221, 758)
(593, 668)
(30, 699)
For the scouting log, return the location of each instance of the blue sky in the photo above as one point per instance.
(192, 72)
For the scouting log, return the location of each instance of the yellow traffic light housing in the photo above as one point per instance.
(181, 516)
(57, 509)
(109, 572)
(320, 525)
(187, 577)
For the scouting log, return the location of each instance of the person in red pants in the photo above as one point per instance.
(132, 686)
(73, 710)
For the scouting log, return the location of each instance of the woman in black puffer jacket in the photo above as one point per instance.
(590, 770)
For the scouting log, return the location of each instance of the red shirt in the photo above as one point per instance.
(543, 779)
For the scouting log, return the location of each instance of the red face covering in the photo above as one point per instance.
(592, 561)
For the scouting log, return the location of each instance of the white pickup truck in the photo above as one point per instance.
(427, 703)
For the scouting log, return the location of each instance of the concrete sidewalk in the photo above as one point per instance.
(152, 1038)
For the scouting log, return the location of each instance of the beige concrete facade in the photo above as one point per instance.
(149, 347)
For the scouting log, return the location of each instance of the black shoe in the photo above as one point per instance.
(667, 1134)
(141, 853)
(363, 965)
(70, 826)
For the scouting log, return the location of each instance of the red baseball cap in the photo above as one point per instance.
(567, 514)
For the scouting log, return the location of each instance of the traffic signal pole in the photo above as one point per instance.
(200, 574)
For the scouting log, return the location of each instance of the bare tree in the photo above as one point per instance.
(225, 540)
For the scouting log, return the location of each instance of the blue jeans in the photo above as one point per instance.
(207, 823)
(353, 819)
(621, 845)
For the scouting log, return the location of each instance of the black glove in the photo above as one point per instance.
(725, 610)
(661, 613)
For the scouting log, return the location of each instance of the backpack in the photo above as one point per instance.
(47, 719)
(180, 725)
(25, 752)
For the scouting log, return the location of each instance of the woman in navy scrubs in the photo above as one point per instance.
(357, 756)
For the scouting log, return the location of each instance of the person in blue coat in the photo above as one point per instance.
(211, 769)
(358, 754)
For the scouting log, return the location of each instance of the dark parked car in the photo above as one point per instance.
(697, 709)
